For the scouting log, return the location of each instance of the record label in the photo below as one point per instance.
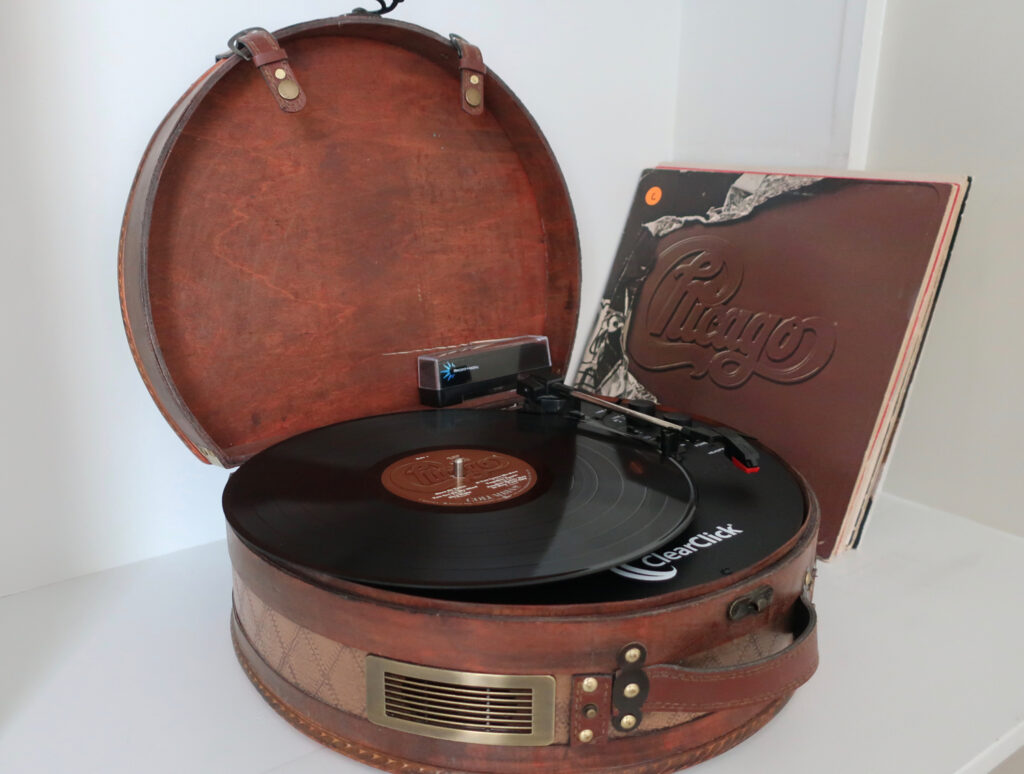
(459, 477)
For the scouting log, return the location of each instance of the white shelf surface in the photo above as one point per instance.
(922, 668)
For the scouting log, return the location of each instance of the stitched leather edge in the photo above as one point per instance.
(399, 766)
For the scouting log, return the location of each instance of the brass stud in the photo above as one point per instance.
(589, 684)
(586, 735)
(631, 690)
(632, 655)
(590, 711)
(474, 79)
(473, 97)
(288, 89)
(280, 74)
(628, 722)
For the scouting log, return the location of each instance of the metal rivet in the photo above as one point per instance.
(628, 722)
(288, 89)
(280, 74)
(590, 711)
(474, 79)
(589, 684)
(631, 690)
(586, 735)
(473, 97)
(632, 655)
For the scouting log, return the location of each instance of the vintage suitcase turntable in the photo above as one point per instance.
(491, 587)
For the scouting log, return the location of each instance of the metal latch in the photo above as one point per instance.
(753, 603)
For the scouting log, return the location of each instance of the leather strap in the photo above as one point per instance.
(683, 689)
(272, 62)
(591, 700)
(471, 74)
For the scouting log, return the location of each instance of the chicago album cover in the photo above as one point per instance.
(791, 306)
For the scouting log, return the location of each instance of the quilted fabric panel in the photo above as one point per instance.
(326, 670)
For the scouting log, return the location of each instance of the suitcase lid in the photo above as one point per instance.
(303, 225)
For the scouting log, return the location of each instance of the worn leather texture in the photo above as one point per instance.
(471, 75)
(335, 674)
(776, 673)
(282, 271)
(326, 670)
(600, 699)
(277, 72)
(305, 647)
(687, 745)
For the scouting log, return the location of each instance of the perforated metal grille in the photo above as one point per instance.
(463, 706)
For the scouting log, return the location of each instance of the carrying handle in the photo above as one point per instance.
(602, 702)
(687, 689)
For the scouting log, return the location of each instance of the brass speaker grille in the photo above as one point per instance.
(509, 710)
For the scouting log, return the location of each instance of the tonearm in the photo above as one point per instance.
(553, 395)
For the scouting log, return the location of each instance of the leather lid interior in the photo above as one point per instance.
(282, 271)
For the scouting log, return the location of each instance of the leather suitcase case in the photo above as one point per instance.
(320, 206)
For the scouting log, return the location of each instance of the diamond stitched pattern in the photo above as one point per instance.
(314, 664)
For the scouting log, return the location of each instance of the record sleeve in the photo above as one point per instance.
(791, 305)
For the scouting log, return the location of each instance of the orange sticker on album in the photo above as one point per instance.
(653, 195)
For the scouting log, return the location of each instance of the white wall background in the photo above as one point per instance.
(949, 97)
(768, 83)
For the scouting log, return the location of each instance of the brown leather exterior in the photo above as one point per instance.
(282, 272)
(387, 750)
(599, 700)
(304, 640)
(471, 74)
(674, 687)
(529, 637)
(272, 61)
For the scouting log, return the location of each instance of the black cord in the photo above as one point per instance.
(385, 7)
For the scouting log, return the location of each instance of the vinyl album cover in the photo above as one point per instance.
(790, 306)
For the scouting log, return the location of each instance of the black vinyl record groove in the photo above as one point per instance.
(740, 520)
(319, 501)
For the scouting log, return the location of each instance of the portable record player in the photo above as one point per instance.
(530, 580)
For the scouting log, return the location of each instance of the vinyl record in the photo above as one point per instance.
(379, 500)
(740, 521)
